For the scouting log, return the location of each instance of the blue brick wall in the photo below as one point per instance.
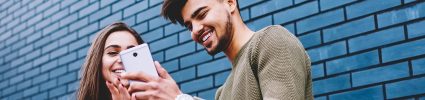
(360, 49)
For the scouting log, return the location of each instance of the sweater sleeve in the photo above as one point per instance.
(283, 65)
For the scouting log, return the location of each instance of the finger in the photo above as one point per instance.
(125, 83)
(138, 86)
(161, 71)
(137, 76)
(143, 95)
(112, 88)
(116, 82)
(123, 91)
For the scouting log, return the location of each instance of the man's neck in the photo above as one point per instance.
(241, 36)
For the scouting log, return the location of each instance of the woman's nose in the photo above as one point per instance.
(119, 59)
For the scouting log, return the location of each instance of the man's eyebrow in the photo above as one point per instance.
(197, 11)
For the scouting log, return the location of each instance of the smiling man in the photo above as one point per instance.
(268, 64)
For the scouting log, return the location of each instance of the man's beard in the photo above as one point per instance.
(224, 41)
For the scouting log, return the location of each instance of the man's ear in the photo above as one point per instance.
(232, 5)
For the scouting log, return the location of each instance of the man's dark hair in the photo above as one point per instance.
(172, 9)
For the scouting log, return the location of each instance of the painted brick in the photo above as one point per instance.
(269, 6)
(376, 39)
(48, 85)
(153, 35)
(59, 15)
(185, 36)
(260, 23)
(58, 53)
(184, 75)
(405, 50)
(89, 9)
(106, 2)
(311, 39)
(416, 29)
(159, 56)
(69, 77)
(135, 8)
(40, 78)
(296, 13)
(370, 93)
(130, 21)
(77, 6)
(40, 96)
(324, 19)
(142, 28)
(57, 91)
(221, 78)
(69, 19)
(163, 43)
(100, 14)
(49, 65)
(328, 4)
(195, 58)
(214, 66)
(290, 28)
(172, 28)
(31, 91)
(245, 3)
(380, 74)
(401, 15)
(110, 19)
(148, 14)
(31, 73)
(180, 50)
(68, 38)
(321, 98)
(418, 66)
(409, 87)
(331, 84)
(16, 79)
(317, 70)
(157, 22)
(79, 24)
(327, 51)
(208, 95)
(369, 6)
(76, 65)
(171, 66)
(67, 58)
(23, 85)
(245, 14)
(196, 85)
(57, 72)
(349, 29)
(352, 62)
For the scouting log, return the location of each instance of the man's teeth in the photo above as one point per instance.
(206, 37)
(119, 71)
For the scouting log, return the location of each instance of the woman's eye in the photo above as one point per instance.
(112, 53)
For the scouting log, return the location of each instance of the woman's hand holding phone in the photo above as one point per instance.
(118, 89)
(150, 87)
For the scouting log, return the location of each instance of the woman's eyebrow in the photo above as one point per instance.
(112, 46)
(131, 46)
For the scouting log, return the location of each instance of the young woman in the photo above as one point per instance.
(100, 72)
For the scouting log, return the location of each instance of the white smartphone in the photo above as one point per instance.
(139, 59)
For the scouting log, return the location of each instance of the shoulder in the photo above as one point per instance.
(276, 36)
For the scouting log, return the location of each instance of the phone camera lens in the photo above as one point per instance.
(134, 54)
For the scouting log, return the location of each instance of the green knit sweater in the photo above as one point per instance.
(283, 69)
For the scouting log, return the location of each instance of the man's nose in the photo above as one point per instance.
(196, 28)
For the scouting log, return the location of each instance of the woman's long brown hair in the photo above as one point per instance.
(92, 83)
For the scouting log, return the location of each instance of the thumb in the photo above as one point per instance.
(161, 71)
